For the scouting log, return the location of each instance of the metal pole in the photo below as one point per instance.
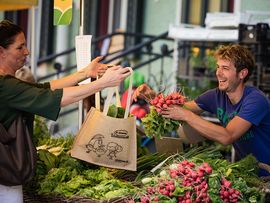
(81, 110)
(110, 20)
(237, 6)
(33, 60)
(81, 17)
(123, 16)
(178, 16)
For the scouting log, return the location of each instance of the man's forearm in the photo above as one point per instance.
(209, 130)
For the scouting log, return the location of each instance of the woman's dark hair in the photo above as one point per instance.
(8, 32)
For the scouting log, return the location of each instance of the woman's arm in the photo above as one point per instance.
(111, 78)
(91, 70)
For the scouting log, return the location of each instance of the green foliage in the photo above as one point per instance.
(71, 187)
(55, 177)
(66, 161)
(41, 131)
(116, 112)
(155, 125)
(97, 176)
(210, 63)
(113, 188)
(192, 89)
(49, 159)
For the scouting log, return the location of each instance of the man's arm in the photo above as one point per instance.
(233, 131)
(192, 106)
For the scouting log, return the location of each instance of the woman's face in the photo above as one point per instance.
(16, 54)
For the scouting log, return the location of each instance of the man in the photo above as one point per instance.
(243, 111)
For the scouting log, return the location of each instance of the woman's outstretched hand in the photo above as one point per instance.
(115, 75)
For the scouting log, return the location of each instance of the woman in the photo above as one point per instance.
(46, 99)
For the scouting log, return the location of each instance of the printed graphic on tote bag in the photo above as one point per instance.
(97, 146)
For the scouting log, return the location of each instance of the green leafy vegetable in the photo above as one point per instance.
(116, 112)
(155, 125)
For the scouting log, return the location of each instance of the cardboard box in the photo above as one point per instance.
(169, 145)
(189, 135)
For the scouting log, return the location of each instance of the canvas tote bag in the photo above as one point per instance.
(18, 154)
(108, 141)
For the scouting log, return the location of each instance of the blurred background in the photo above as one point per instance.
(169, 43)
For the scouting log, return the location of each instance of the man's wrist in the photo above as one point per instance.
(189, 116)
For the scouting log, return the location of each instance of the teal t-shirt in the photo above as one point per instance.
(17, 96)
(253, 107)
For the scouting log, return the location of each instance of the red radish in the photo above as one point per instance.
(161, 101)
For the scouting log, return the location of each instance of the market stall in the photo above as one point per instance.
(197, 174)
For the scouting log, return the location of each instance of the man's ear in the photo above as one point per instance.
(243, 73)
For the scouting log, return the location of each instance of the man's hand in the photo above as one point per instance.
(144, 92)
(175, 112)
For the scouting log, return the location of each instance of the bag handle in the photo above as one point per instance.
(97, 98)
(115, 89)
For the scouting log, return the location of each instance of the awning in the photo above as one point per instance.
(17, 4)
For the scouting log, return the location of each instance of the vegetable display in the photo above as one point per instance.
(205, 177)
(201, 174)
(154, 124)
(58, 174)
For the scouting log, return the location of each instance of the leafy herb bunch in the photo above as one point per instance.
(154, 124)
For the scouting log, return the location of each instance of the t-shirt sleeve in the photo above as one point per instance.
(206, 101)
(254, 108)
(33, 98)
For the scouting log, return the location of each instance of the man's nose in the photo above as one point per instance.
(218, 71)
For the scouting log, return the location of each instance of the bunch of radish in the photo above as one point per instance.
(227, 193)
(161, 101)
(184, 176)
(194, 177)
(165, 187)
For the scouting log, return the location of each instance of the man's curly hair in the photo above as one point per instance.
(240, 56)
